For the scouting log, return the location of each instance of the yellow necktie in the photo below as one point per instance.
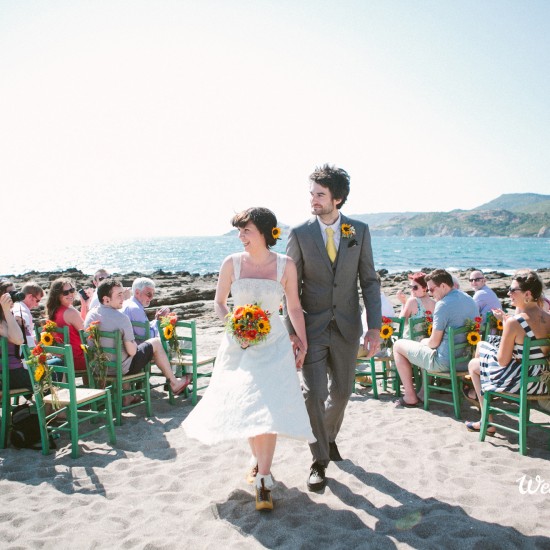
(331, 247)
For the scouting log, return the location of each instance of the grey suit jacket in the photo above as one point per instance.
(330, 291)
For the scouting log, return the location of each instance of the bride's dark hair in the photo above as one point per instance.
(262, 218)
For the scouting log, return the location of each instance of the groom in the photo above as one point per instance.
(332, 253)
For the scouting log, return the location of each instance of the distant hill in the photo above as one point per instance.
(510, 215)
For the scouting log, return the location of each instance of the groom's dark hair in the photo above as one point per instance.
(262, 218)
(335, 179)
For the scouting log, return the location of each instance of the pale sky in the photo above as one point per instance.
(156, 117)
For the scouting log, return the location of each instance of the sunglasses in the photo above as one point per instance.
(476, 279)
(512, 290)
(431, 290)
(414, 287)
(68, 291)
(101, 279)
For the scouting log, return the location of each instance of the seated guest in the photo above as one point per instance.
(498, 367)
(60, 310)
(484, 297)
(452, 309)
(100, 275)
(22, 310)
(143, 291)
(134, 357)
(18, 375)
(419, 302)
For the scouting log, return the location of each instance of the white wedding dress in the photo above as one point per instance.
(255, 390)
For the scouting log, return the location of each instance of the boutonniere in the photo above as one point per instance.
(348, 230)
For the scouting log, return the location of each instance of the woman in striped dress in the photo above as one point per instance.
(498, 368)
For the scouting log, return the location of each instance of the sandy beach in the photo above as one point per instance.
(410, 479)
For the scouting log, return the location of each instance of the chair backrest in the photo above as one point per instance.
(66, 377)
(417, 328)
(459, 352)
(187, 340)
(144, 331)
(488, 328)
(113, 347)
(526, 362)
(64, 331)
(398, 325)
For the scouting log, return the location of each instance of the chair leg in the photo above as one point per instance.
(44, 436)
(195, 378)
(485, 416)
(6, 418)
(148, 408)
(118, 404)
(455, 386)
(373, 378)
(426, 384)
(524, 410)
(73, 420)
(109, 417)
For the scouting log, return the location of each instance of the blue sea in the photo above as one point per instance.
(204, 254)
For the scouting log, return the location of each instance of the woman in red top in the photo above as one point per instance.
(60, 310)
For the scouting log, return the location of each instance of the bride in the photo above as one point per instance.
(254, 391)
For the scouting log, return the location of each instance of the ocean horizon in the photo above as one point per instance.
(202, 255)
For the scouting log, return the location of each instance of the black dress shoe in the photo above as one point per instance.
(333, 452)
(317, 479)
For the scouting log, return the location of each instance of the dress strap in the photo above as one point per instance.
(421, 308)
(525, 326)
(237, 266)
(281, 264)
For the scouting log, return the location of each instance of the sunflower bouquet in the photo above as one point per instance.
(496, 326)
(167, 324)
(47, 337)
(248, 324)
(386, 331)
(97, 358)
(42, 374)
(473, 335)
(428, 323)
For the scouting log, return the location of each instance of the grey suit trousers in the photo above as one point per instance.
(328, 377)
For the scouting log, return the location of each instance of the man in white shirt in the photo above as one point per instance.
(22, 310)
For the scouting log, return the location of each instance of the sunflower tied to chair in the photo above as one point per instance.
(47, 337)
(168, 327)
(249, 324)
(386, 331)
(96, 356)
(473, 336)
(428, 323)
(496, 325)
(43, 380)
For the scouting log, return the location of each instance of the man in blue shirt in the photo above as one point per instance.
(452, 309)
(143, 291)
(484, 297)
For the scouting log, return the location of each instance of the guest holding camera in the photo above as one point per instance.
(32, 294)
(18, 374)
(61, 311)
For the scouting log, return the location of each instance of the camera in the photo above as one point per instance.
(16, 295)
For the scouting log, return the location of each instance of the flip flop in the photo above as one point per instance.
(180, 390)
(471, 428)
(403, 403)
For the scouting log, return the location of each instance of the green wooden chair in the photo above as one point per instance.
(136, 384)
(199, 366)
(382, 365)
(460, 355)
(78, 404)
(64, 331)
(519, 404)
(145, 329)
(9, 396)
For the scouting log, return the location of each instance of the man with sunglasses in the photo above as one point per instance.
(100, 275)
(143, 291)
(452, 309)
(22, 310)
(484, 297)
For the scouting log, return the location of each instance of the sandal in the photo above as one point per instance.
(466, 393)
(401, 402)
(471, 428)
